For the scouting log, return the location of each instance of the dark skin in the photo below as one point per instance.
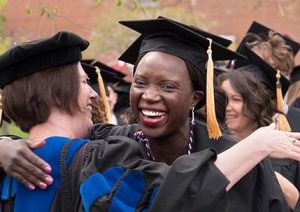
(19, 157)
(161, 97)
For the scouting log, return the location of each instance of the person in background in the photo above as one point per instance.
(278, 51)
(247, 111)
(116, 88)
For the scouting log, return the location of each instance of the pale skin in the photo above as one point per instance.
(71, 126)
(240, 127)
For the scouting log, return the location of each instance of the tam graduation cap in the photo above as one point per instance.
(38, 55)
(33, 56)
(196, 46)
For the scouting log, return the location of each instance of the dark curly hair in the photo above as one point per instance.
(258, 103)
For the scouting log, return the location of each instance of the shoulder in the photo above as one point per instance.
(101, 131)
(204, 142)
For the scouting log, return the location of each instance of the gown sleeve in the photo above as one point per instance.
(193, 183)
(115, 177)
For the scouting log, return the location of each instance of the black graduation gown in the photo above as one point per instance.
(296, 103)
(130, 183)
(257, 191)
(183, 178)
(293, 117)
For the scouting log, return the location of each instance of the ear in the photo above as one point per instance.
(197, 96)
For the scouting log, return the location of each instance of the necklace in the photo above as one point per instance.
(141, 138)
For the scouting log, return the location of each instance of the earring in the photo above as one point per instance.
(193, 115)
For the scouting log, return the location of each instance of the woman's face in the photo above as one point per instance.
(161, 95)
(85, 97)
(237, 123)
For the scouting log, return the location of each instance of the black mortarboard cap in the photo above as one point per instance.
(109, 74)
(218, 39)
(295, 76)
(92, 74)
(168, 36)
(263, 31)
(264, 72)
(29, 57)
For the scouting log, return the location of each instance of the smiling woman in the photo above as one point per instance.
(249, 104)
(169, 82)
(208, 172)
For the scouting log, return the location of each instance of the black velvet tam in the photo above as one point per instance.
(29, 57)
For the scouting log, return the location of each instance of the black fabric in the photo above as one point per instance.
(293, 117)
(296, 103)
(33, 56)
(108, 74)
(257, 191)
(66, 187)
(186, 171)
(196, 185)
(295, 75)
(290, 169)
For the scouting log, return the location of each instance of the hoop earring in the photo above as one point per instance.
(193, 115)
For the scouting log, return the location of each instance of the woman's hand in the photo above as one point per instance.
(278, 144)
(19, 161)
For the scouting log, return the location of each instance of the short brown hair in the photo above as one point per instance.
(258, 103)
(28, 101)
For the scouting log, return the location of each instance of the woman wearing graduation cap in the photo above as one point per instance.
(161, 101)
(278, 51)
(168, 83)
(250, 107)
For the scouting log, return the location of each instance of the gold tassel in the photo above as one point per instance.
(282, 123)
(214, 131)
(103, 97)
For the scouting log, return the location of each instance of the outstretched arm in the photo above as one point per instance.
(237, 161)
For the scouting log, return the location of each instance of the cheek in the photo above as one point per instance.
(133, 98)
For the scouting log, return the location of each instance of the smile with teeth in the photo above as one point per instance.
(230, 117)
(152, 113)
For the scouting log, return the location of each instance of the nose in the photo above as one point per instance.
(229, 105)
(93, 93)
(151, 94)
